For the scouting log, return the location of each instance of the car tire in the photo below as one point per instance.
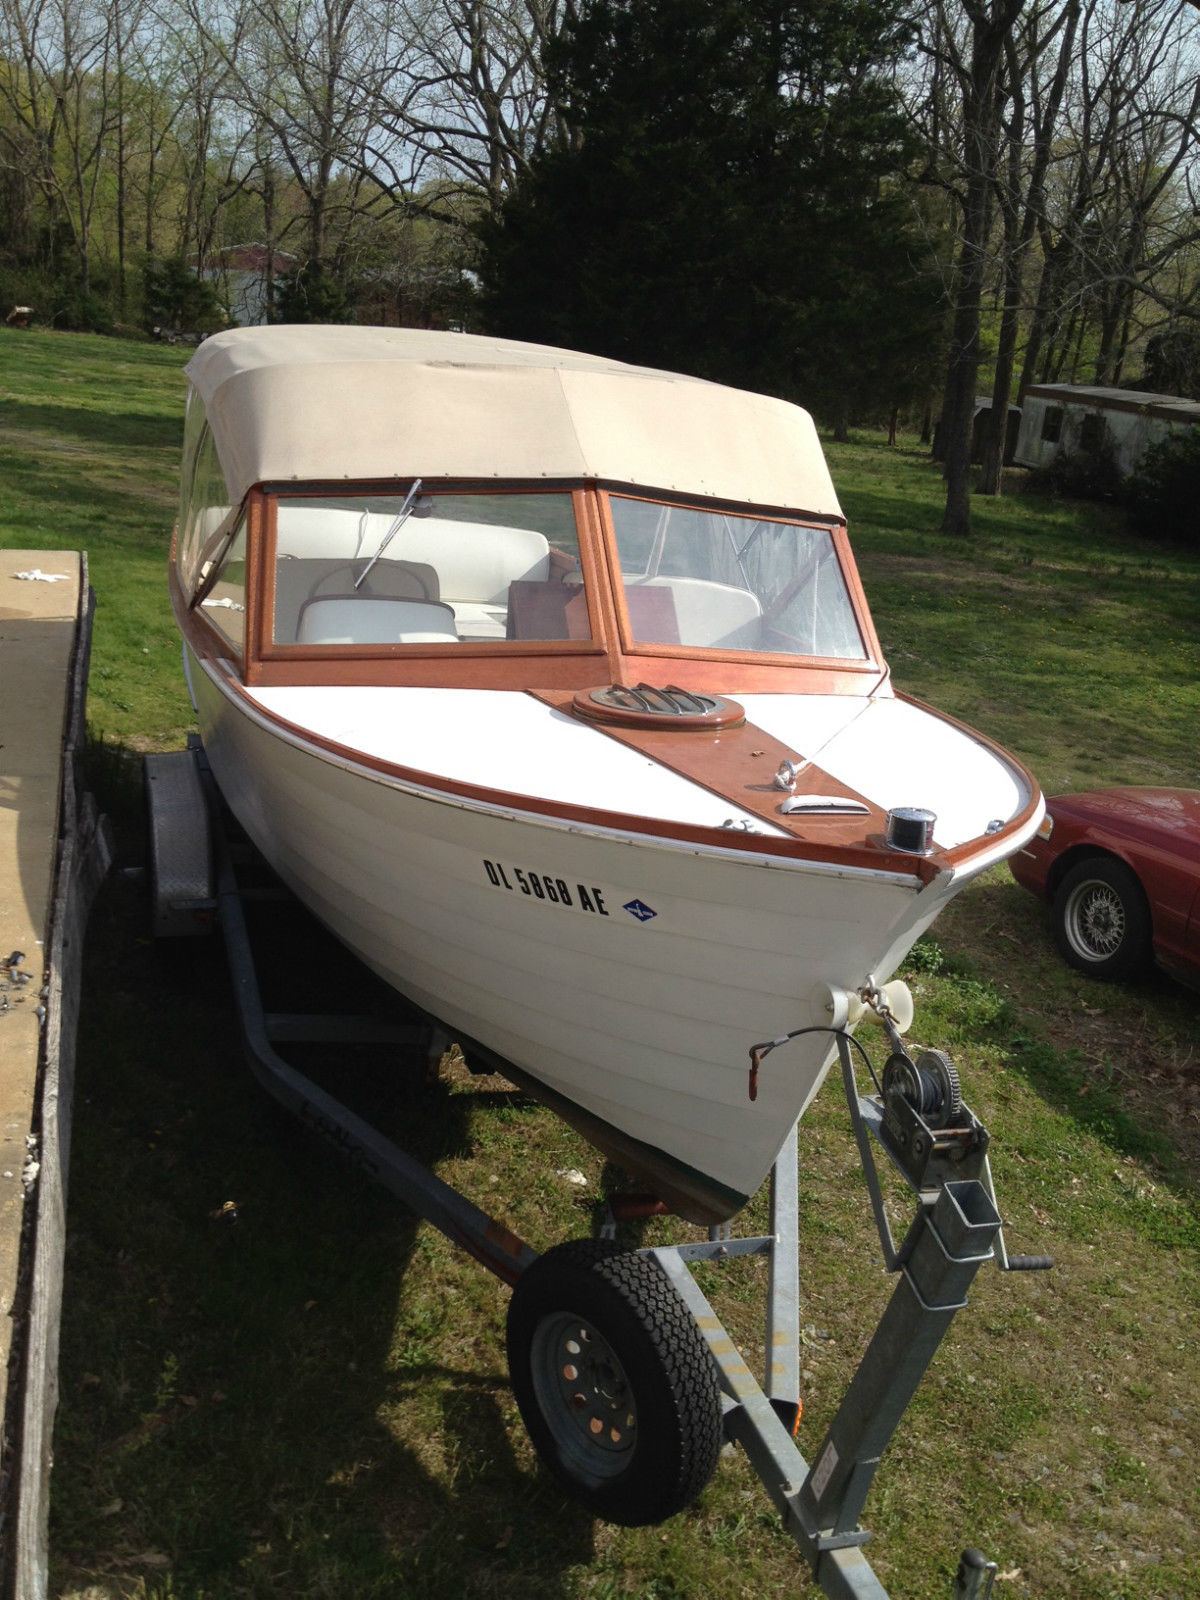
(1102, 920)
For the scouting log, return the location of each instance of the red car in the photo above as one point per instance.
(1121, 868)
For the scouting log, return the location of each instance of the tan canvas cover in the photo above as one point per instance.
(318, 402)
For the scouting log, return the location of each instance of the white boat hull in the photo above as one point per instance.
(623, 975)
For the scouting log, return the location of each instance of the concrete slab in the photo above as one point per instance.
(38, 624)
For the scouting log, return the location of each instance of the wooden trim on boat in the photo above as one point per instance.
(481, 666)
(589, 524)
(738, 765)
(260, 595)
(455, 670)
(265, 578)
(205, 640)
(870, 663)
(511, 664)
(717, 841)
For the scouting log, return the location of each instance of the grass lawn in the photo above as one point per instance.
(90, 436)
(311, 1400)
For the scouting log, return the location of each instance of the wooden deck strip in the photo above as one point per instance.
(38, 622)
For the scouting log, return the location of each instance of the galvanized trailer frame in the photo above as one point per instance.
(955, 1229)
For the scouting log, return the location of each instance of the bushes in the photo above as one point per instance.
(313, 294)
(1162, 496)
(1088, 469)
(79, 309)
(175, 298)
(58, 300)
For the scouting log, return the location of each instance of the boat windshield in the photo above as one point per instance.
(427, 568)
(716, 580)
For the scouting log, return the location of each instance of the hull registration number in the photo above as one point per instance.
(546, 887)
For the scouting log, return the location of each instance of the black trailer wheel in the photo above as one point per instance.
(614, 1381)
(1101, 919)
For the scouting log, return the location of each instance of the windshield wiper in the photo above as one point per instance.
(401, 518)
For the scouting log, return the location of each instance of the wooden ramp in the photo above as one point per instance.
(53, 853)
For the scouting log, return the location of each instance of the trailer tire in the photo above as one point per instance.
(614, 1381)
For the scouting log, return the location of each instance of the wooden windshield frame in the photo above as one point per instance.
(611, 655)
(869, 662)
(270, 650)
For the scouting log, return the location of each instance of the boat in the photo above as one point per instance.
(549, 684)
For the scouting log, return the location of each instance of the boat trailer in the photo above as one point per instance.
(600, 1356)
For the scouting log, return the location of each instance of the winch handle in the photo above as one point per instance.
(1004, 1261)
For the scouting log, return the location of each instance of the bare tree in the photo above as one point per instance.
(1038, 56)
(58, 113)
(1121, 217)
(467, 109)
(1064, 131)
(302, 83)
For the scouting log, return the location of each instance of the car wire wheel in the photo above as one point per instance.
(1102, 919)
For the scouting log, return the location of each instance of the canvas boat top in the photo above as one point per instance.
(349, 402)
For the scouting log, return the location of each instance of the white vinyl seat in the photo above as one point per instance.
(475, 563)
(339, 619)
(709, 615)
(470, 565)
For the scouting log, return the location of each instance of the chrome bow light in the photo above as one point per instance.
(910, 828)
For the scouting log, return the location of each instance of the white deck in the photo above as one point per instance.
(514, 744)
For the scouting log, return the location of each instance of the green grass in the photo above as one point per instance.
(311, 1401)
(1051, 629)
(90, 436)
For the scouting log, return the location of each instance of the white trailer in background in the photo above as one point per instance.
(1068, 419)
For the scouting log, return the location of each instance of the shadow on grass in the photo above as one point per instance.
(1097, 1053)
(249, 1406)
(126, 430)
(49, 505)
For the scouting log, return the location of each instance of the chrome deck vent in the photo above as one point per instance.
(824, 805)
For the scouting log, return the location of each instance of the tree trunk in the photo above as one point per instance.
(269, 233)
(995, 433)
(121, 175)
(990, 28)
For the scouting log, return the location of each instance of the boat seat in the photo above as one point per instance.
(473, 562)
(314, 532)
(300, 579)
(353, 619)
(708, 615)
(547, 610)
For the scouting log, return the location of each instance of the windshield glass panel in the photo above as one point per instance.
(427, 568)
(206, 511)
(225, 603)
(715, 580)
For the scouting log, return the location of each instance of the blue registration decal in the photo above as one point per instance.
(639, 909)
